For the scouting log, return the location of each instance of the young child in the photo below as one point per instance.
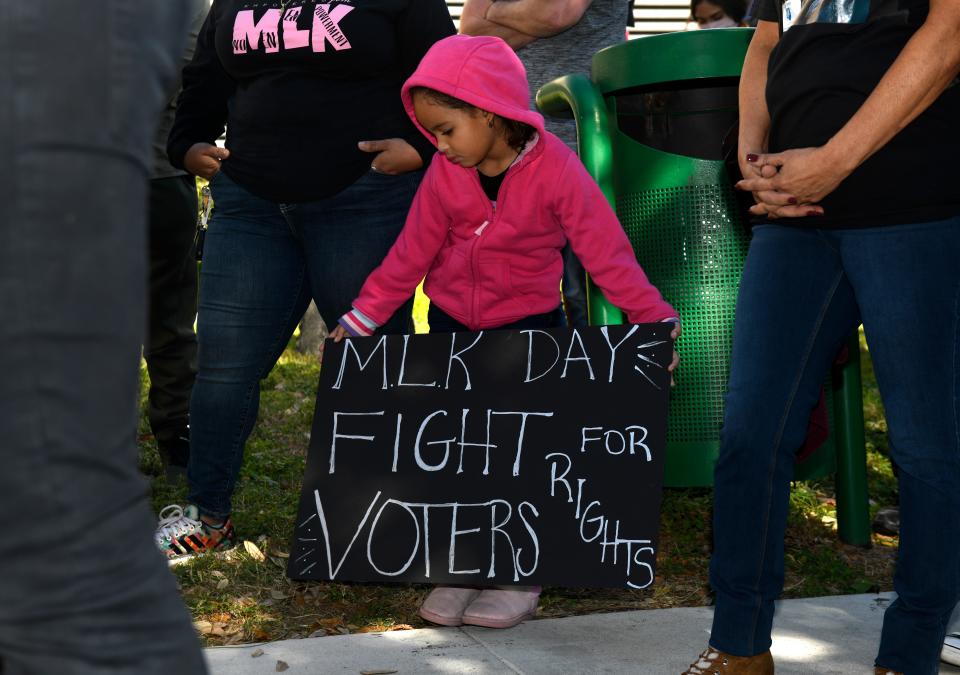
(486, 228)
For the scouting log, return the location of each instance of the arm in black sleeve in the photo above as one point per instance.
(202, 104)
(423, 23)
(764, 10)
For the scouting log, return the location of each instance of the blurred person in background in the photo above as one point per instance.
(82, 588)
(554, 38)
(170, 348)
(718, 14)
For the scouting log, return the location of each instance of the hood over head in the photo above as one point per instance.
(482, 71)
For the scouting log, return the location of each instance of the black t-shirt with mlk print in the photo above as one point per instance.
(298, 90)
(823, 69)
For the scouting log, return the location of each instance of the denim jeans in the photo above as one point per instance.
(262, 263)
(803, 291)
(83, 589)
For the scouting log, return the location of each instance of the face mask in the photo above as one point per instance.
(725, 22)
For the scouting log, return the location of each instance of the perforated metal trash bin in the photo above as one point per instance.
(651, 121)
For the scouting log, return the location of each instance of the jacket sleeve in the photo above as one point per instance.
(202, 104)
(407, 262)
(423, 23)
(601, 244)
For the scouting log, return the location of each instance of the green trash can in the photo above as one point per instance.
(651, 122)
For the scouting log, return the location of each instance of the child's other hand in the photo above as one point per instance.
(394, 156)
(338, 333)
(675, 335)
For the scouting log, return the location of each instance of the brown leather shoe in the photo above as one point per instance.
(879, 670)
(714, 662)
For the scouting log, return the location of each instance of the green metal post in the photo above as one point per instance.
(853, 514)
(576, 95)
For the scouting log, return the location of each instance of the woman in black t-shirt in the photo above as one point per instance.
(320, 167)
(848, 143)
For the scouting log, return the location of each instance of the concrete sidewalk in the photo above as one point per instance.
(833, 635)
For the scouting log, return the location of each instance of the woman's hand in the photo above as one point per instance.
(768, 202)
(394, 156)
(203, 159)
(806, 175)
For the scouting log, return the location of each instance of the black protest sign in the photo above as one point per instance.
(500, 457)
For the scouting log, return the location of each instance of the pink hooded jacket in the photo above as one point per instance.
(487, 267)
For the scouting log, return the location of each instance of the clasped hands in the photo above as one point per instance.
(790, 184)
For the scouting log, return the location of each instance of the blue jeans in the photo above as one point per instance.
(803, 291)
(262, 263)
(83, 589)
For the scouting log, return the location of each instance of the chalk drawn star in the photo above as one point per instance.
(648, 359)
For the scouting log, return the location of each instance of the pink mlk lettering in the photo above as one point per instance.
(326, 27)
(246, 33)
(294, 37)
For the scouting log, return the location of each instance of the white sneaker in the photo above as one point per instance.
(181, 535)
(951, 649)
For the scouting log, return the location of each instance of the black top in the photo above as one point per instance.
(298, 94)
(491, 184)
(819, 75)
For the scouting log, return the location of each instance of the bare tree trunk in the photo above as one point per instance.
(313, 331)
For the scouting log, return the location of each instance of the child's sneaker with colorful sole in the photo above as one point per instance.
(182, 535)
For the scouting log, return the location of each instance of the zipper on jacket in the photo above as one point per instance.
(475, 255)
(475, 250)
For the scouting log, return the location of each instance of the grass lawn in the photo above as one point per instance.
(244, 596)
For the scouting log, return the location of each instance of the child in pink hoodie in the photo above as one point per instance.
(486, 229)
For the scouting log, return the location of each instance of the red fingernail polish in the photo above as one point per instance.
(752, 158)
(792, 200)
(814, 213)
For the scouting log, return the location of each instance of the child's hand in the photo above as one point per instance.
(675, 334)
(339, 333)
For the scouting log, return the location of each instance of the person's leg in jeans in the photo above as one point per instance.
(907, 284)
(82, 587)
(253, 291)
(345, 237)
(260, 261)
(170, 349)
(794, 310)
